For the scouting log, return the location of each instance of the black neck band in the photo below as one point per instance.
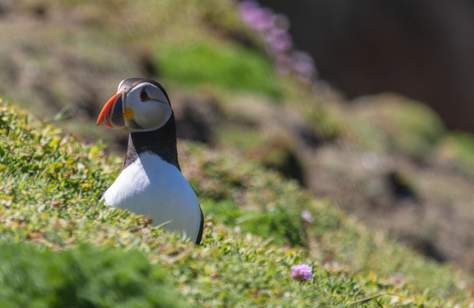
(161, 142)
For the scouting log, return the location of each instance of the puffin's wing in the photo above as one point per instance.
(201, 227)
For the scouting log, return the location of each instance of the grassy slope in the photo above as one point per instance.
(85, 276)
(50, 184)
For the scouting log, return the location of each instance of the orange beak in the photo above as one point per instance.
(105, 112)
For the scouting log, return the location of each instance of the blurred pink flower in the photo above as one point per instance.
(257, 17)
(303, 64)
(279, 40)
(301, 272)
(307, 217)
(273, 28)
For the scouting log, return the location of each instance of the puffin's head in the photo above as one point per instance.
(140, 105)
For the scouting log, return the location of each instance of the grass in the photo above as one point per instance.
(209, 62)
(85, 276)
(253, 200)
(254, 233)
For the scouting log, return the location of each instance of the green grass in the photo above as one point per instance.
(228, 66)
(85, 276)
(254, 234)
(253, 200)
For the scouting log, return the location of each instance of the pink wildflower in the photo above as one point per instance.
(301, 272)
(307, 216)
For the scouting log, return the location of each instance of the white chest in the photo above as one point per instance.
(151, 186)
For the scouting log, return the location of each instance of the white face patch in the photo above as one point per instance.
(120, 84)
(149, 106)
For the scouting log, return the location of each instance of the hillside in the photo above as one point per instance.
(49, 195)
(386, 159)
(374, 193)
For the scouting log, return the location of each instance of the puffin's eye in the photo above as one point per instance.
(144, 96)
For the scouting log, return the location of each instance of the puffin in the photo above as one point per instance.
(150, 182)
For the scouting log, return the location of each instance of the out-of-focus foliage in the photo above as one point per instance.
(231, 67)
(399, 125)
(85, 276)
(458, 150)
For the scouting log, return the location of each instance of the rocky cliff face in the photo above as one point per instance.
(420, 48)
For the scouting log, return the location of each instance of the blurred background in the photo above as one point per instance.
(418, 48)
(367, 103)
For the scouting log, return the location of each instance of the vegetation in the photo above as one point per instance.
(230, 67)
(398, 124)
(49, 194)
(458, 150)
(85, 276)
(382, 156)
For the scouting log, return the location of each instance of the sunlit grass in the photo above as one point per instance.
(48, 196)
